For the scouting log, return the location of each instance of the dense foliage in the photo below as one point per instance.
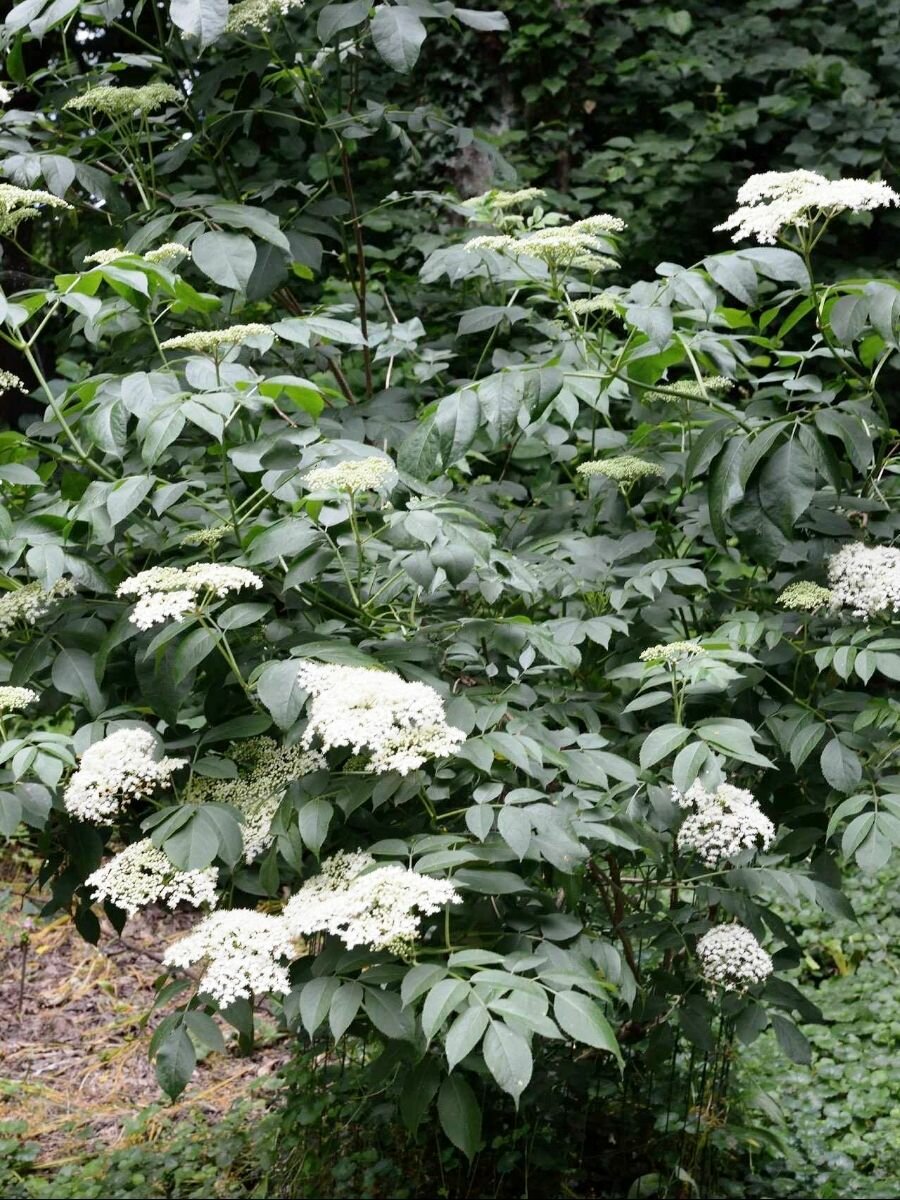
(514, 637)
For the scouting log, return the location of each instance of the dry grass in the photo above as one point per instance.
(73, 1038)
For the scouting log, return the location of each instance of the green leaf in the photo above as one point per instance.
(386, 1014)
(279, 689)
(446, 996)
(225, 258)
(345, 1004)
(334, 18)
(486, 22)
(464, 1034)
(840, 766)
(73, 675)
(175, 1062)
(460, 1115)
(582, 1019)
(787, 483)
(419, 1090)
(315, 1001)
(794, 1044)
(201, 19)
(508, 1058)
(313, 820)
(204, 1028)
(398, 34)
(661, 743)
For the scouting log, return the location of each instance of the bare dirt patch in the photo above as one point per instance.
(73, 1033)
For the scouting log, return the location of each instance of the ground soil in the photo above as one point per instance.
(74, 1029)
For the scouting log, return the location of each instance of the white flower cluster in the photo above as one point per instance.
(770, 202)
(11, 383)
(380, 908)
(116, 770)
(163, 253)
(14, 699)
(503, 200)
(722, 824)
(731, 957)
(241, 949)
(212, 340)
(575, 245)
(351, 475)
(29, 603)
(865, 579)
(20, 204)
(625, 468)
(401, 724)
(142, 874)
(603, 302)
(266, 770)
(172, 592)
(125, 101)
(6, 94)
(207, 537)
(671, 653)
(696, 389)
(258, 14)
(804, 596)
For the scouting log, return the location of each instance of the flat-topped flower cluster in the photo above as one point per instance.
(865, 579)
(122, 767)
(366, 905)
(399, 724)
(142, 874)
(776, 200)
(722, 824)
(171, 593)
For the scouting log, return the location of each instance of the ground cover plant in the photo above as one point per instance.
(484, 641)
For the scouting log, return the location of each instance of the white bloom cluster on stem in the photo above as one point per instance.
(241, 950)
(805, 596)
(125, 101)
(623, 469)
(400, 724)
(732, 958)
(671, 653)
(163, 253)
(142, 874)
(770, 202)
(351, 475)
(258, 14)
(122, 767)
(21, 204)
(365, 905)
(14, 699)
(722, 824)
(210, 341)
(166, 593)
(11, 383)
(26, 605)
(266, 770)
(865, 579)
